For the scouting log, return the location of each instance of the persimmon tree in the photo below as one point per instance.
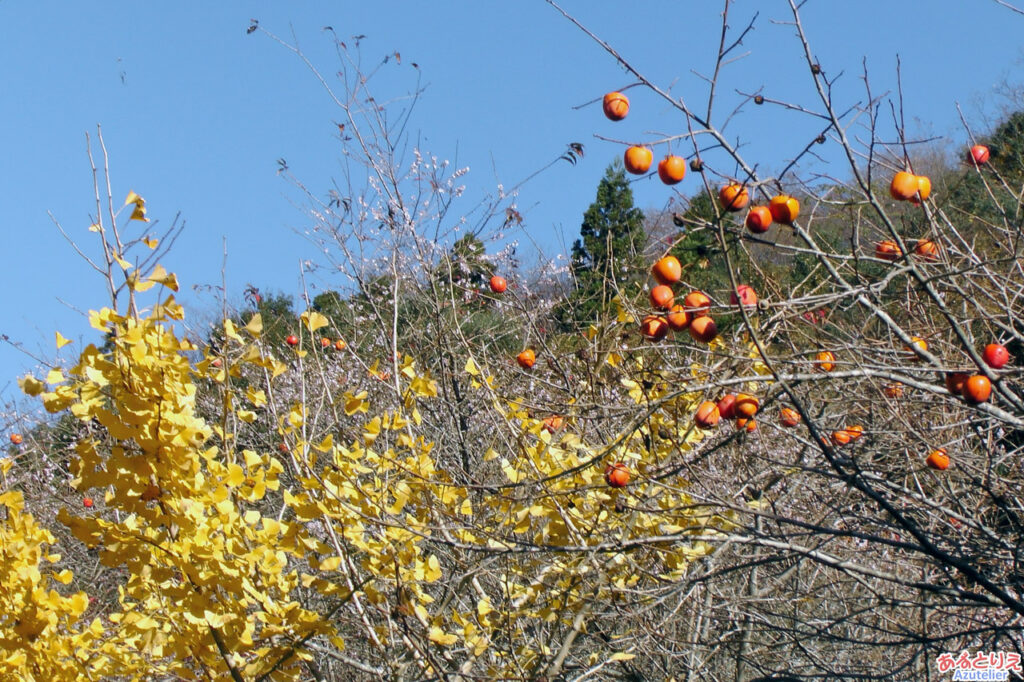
(856, 559)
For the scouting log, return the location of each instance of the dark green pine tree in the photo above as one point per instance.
(606, 256)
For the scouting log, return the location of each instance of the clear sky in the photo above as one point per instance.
(195, 114)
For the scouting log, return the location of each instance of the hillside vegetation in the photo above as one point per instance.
(376, 482)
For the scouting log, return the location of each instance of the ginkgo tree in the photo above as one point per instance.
(238, 558)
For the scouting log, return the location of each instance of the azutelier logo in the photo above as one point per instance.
(980, 666)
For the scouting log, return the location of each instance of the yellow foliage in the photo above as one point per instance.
(235, 560)
(42, 635)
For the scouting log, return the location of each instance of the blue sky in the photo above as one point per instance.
(195, 114)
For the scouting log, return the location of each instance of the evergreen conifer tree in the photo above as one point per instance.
(606, 256)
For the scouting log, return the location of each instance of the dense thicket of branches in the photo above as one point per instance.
(442, 511)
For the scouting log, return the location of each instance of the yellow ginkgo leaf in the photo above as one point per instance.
(479, 644)
(146, 623)
(314, 320)
(251, 458)
(79, 603)
(95, 227)
(471, 367)
(216, 620)
(257, 397)
(439, 636)
(424, 387)
(96, 376)
(151, 242)
(136, 285)
(432, 570)
(371, 430)
(161, 276)
(30, 385)
(16, 660)
(61, 341)
(139, 212)
(230, 331)
(355, 403)
(278, 368)
(510, 471)
(236, 476)
(622, 315)
(255, 325)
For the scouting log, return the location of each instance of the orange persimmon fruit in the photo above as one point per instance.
(703, 329)
(759, 219)
(616, 475)
(662, 297)
(784, 209)
(734, 197)
(672, 169)
(825, 361)
(707, 415)
(638, 159)
(697, 303)
(667, 270)
(654, 327)
(789, 417)
(977, 388)
(615, 105)
(938, 459)
(678, 319)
